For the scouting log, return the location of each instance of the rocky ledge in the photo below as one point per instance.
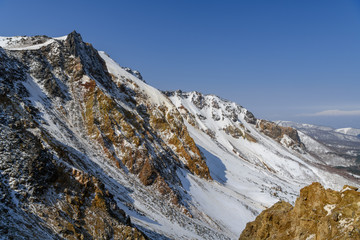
(318, 213)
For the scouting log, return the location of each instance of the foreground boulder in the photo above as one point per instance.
(318, 214)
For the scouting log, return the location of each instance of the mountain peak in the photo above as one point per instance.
(75, 43)
(75, 33)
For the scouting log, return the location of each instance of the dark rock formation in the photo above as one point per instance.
(249, 117)
(278, 133)
(198, 100)
(134, 72)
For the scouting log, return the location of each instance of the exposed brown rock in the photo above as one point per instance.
(250, 137)
(318, 214)
(103, 118)
(277, 133)
(234, 131)
(87, 209)
(76, 205)
(189, 117)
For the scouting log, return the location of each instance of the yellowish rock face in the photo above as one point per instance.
(318, 214)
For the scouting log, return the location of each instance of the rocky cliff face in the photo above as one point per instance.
(57, 94)
(318, 214)
(45, 192)
(287, 136)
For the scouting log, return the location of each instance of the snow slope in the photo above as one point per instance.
(257, 174)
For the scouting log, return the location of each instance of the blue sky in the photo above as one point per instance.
(288, 60)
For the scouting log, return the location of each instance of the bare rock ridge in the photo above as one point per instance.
(318, 213)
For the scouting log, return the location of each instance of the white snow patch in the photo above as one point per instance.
(349, 131)
(328, 208)
(5, 42)
(32, 47)
(346, 189)
(345, 222)
(286, 140)
(61, 38)
(311, 237)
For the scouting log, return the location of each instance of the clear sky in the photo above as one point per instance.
(288, 60)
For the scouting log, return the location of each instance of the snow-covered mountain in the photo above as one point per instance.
(89, 150)
(349, 131)
(342, 141)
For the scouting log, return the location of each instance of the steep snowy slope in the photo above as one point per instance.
(245, 160)
(88, 149)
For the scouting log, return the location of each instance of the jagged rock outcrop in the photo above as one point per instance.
(212, 108)
(318, 214)
(288, 136)
(136, 73)
(249, 117)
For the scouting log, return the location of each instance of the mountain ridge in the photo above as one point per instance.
(155, 165)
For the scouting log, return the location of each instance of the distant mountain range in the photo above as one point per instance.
(343, 141)
(349, 131)
(89, 150)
